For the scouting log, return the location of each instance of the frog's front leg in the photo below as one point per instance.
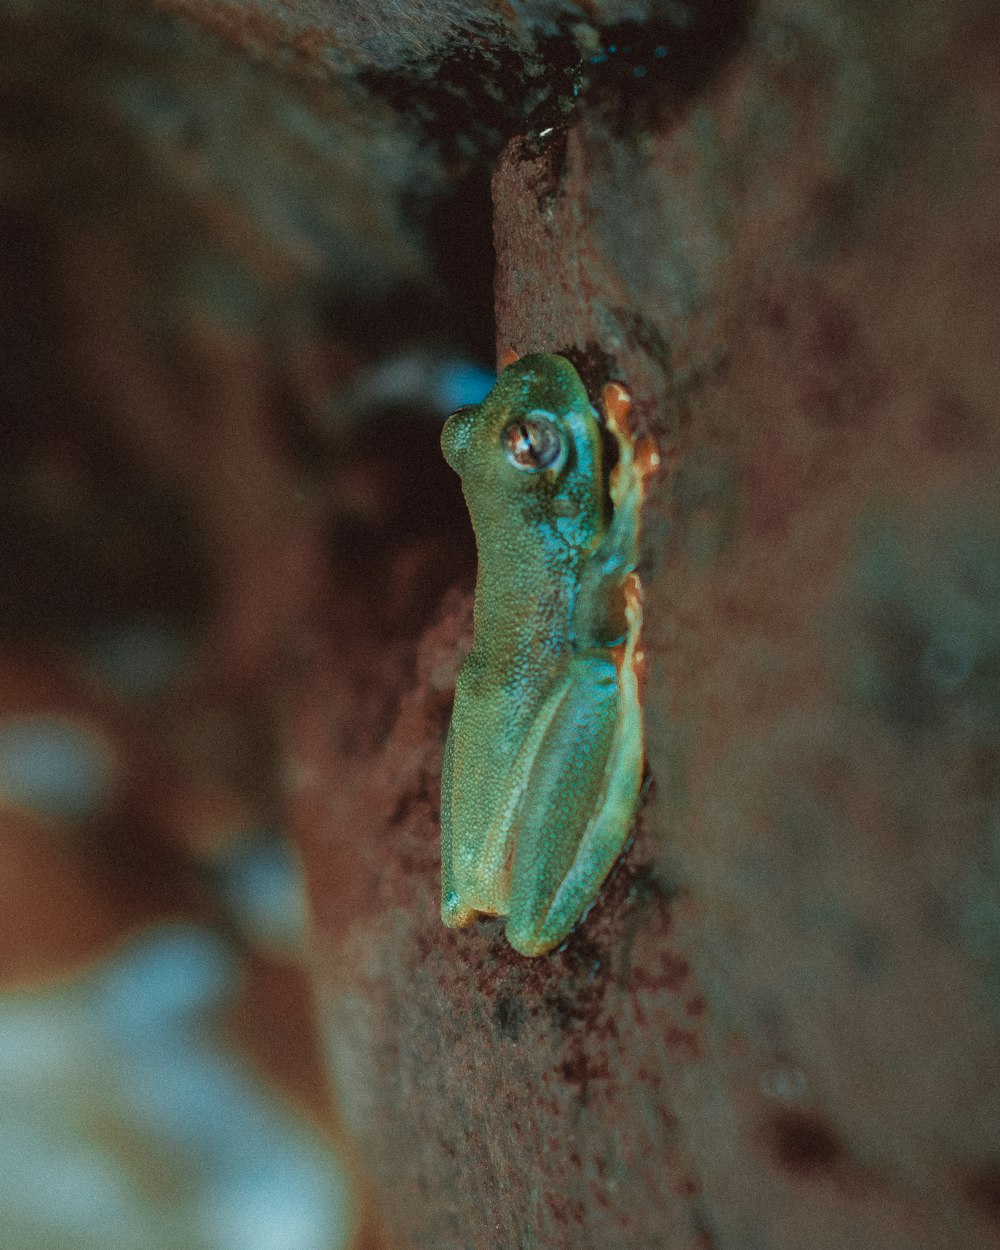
(574, 819)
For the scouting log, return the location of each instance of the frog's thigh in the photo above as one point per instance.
(566, 840)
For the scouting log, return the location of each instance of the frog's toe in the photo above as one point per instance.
(530, 941)
(454, 912)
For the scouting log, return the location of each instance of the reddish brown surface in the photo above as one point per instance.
(778, 1027)
(160, 367)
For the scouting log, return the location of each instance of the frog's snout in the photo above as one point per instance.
(456, 435)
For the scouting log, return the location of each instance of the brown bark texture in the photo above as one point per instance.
(778, 1027)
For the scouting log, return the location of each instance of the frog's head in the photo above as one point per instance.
(530, 450)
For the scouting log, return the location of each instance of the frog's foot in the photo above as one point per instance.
(638, 459)
(455, 913)
(617, 404)
(635, 656)
(647, 461)
(507, 358)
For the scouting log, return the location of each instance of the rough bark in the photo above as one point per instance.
(779, 1025)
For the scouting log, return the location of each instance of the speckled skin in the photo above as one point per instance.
(544, 757)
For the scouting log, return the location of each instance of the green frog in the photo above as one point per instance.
(544, 760)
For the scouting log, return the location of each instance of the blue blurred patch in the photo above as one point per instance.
(463, 383)
(421, 379)
(125, 1121)
(54, 767)
(261, 884)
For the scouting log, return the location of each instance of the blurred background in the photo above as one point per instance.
(246, 268)
(235, 305)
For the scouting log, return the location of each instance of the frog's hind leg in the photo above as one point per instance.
(575, 816)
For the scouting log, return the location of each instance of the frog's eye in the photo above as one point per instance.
(534, 443)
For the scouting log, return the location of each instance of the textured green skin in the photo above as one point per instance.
(544, 757)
